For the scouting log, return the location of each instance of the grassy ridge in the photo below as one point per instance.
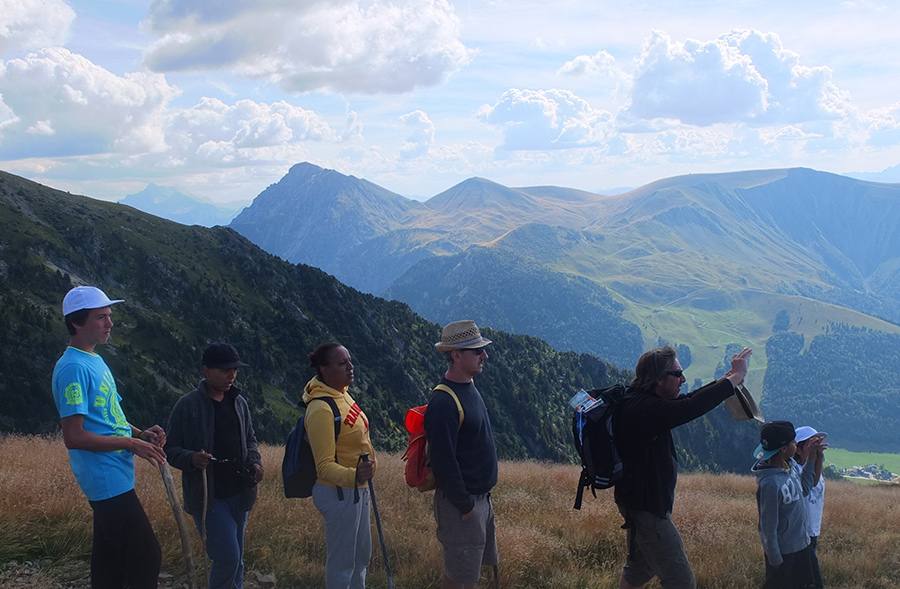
(543, 542)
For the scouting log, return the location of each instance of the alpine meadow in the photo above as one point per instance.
(571, 286)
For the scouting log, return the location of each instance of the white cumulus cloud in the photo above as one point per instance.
(741, 76)
(214, 130)
(421, 134)
(546, 119)
(62, 104)
(59, 104)
(601, 63)
(31, 24)
(696, 83)
(342, 45)
(884, 126)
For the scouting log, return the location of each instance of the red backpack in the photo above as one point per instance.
(418, 470)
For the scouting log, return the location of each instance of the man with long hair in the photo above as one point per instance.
(652, 406)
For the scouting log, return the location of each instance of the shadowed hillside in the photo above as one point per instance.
(185, 286)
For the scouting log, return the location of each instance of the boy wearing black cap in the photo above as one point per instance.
(211, 426)
(782, 512)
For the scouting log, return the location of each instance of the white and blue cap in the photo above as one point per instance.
(86, 297)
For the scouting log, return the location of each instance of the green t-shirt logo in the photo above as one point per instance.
(74, 395)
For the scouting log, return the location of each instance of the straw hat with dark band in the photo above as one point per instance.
(460, 335)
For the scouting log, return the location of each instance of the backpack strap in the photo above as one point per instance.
(449, 391)
(337, 431)
(579, 494)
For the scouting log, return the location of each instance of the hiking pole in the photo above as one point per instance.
(178, 512)
(203, 526)
(387, 567)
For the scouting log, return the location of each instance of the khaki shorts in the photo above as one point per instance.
(468, 545)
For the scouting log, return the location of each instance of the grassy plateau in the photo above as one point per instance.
(846, 459)
(543, 542)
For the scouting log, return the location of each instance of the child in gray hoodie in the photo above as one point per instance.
(782, 511)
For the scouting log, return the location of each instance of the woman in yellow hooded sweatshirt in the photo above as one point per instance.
(340, 492)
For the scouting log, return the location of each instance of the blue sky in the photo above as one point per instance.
(219, 99)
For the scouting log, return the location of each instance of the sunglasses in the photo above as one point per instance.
(476, 351)
(675, 373)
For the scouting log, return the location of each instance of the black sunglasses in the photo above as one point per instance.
(476, 351)
(677, 373)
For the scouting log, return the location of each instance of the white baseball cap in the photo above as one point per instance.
(86, 297)
(805, 432)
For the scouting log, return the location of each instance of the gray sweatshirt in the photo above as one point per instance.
(782, 511)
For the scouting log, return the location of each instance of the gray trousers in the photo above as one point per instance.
(348, 536)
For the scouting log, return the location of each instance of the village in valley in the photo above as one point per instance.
(872, 472)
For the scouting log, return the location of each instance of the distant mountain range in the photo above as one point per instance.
(890, 175)
(704, 260)
(186, 286)
(169, 203)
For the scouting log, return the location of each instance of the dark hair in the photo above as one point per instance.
(449, 357)
(319, 356)
(652, 366)
(76, 318)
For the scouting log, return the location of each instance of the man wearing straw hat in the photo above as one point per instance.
(463, 459)
(102, 446)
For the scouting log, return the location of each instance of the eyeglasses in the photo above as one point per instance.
(476, 351)
(675, 373)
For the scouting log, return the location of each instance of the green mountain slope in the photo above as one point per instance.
(186, 286)
(508, 285)
(680, 257)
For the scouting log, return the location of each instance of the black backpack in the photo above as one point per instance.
(595, 440)
(298, 468)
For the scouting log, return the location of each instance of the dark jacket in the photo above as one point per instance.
(463, 458)
(644, 439)
(190, 429)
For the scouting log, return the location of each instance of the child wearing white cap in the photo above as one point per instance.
(815, 501)
(102, 445)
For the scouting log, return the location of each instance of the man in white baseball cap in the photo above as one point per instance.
(86, 297)
(102, 445)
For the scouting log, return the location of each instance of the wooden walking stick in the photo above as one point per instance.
(203, 527)
(169, 483)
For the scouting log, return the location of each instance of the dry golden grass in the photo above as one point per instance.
(543, 542)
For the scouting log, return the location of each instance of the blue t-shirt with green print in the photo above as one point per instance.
(83, 385)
